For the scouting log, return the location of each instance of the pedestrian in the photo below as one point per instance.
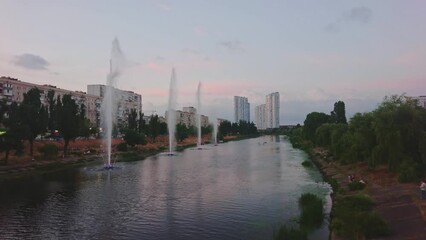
(423, 189)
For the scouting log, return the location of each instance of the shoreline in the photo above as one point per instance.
(397, 203)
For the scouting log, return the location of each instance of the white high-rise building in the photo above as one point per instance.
(259, 113)
(241, 109)
(272, 110)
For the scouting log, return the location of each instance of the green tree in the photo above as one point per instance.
(68, 119)
(33, 115)
(338, 115)
(51, 101)
(312, 122)
(132, 137)
(225, 128)
(132, 120)
(182, 132)
(16, 132)
(153, 127)
(141, 123)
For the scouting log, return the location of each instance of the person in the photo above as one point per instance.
(423, 189)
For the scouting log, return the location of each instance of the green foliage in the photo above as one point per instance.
(16, 131)
(33, 115)
(285, 233)
(353, 218)
(49, 151)
(334, 184)
(307, 163)
(132, 137)
(312, 211)
(122, 147)
(68, 119)
(356, 185)
(241, 128)
(338, 115)
(409, 171)
(132, 120)
(182, 132)
(312, 122)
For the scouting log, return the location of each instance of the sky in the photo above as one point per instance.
(313, 53)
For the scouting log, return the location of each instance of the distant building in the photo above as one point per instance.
(126, 100)
(241, 109)
(421, 101)
(272, 110)
(12, 90)
(188, 117)
(260, 117)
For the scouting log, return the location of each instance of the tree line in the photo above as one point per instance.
(393, 134)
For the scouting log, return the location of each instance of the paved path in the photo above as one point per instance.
(399, 204)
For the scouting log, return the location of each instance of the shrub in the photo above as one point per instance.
(307, 163)
(356, 185)
(49, 151)
(334, 184)
(353, 218)
(122, 147)
(285, 233)
(409, 171)
(312, 211)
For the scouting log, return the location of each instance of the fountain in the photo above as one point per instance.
(199, 116)
(215, 128)
(171, 114)
(109, 104)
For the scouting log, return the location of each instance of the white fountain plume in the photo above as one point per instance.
(199, 115)
(109, 105)
(171, 113)
(215, 128)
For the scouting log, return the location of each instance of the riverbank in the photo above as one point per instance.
(397, 203)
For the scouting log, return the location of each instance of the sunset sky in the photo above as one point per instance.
(313, 53)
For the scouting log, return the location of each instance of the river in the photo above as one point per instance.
(236, 190)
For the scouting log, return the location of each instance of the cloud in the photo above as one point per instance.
(200, 31)
(31, 61)
(360, 15)
(232, 46)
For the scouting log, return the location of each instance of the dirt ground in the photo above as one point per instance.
(398, 203)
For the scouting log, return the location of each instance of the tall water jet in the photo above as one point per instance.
(109, 105)
(171, 112)
(199, 115)
(215, 129)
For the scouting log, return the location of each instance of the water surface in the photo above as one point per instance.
(237, 190)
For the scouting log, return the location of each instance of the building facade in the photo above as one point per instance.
(241, 109)
(188, 117)
(421, 101)
(126, 100)
(272, 110)
(259, 113)
(12, 90)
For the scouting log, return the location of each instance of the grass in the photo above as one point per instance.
(312, 208)
(356, 185)
(353, 218)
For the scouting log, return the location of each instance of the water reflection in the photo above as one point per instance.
(237, 190)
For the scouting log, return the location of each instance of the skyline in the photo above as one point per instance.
(313, 56)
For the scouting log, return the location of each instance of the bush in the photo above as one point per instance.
(49, 151)
(334, 184)
(356, 185)
(285, 233)
(312, 211)
(307, 163)
(122, 147)
(353, 218)
(409, 171)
